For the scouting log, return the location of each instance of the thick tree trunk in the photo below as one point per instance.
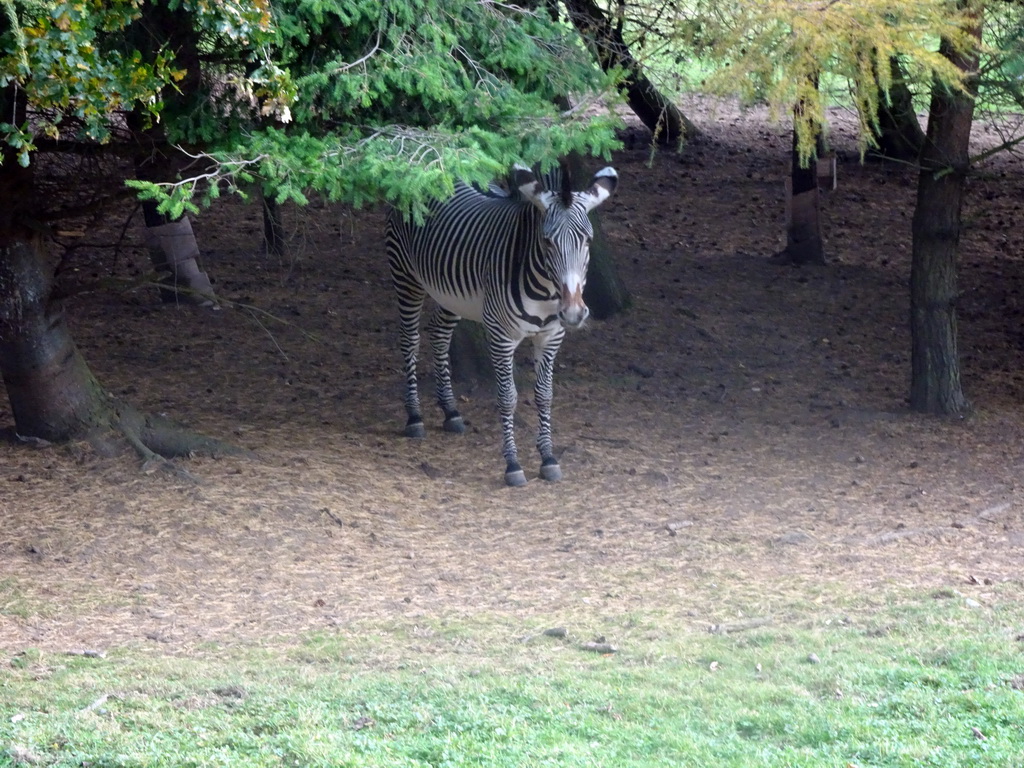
(898, 133)
(667, 124)
(53, 394)
(935, 363)
(803, 213)
(605, 293)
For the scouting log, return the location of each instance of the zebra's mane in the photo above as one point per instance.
(566, 183)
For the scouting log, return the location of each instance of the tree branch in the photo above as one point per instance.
(362, 59)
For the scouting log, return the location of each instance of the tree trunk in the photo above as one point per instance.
(174, 252)
(605, 293)
(935, 363)
(803, 213)
(898, 133)
(273, 228)
(53, 394)
(667, 124)
(172, 245)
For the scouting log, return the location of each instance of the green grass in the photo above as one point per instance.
(901, 688)
(13, 601)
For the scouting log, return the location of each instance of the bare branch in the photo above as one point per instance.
(361, 60)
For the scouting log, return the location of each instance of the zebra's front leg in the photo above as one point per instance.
(440, 328)
(545, 347)
(502, 351)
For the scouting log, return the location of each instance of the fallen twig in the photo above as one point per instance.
(599, 647)
(618, 441)
(989, 515)
(88, 653)
(727, 628)
(98, 703)
(903, 533)
(333, 517)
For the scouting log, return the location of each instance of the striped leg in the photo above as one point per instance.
(410, 304)
(545, 347)
(502, 350)
(440, 328)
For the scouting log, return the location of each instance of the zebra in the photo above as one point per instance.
(516, 263)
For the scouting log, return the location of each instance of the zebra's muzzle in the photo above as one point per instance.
(572, 311)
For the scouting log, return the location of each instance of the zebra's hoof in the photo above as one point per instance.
(455, 425)
(515, 478)
(415, 429)
(551, 472)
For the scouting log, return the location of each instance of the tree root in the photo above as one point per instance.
(156, 440)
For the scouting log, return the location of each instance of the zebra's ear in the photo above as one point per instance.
(601, 187)
(530, 187)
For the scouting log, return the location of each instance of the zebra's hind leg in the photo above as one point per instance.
(440, 328)
(545, 347)
(410, 304)
(502, 351)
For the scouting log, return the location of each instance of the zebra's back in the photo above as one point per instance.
(471, 241)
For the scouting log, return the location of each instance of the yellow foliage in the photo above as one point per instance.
(776, 51)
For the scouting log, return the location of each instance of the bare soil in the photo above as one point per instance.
(737, 444)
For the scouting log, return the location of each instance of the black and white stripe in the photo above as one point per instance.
(516, 263)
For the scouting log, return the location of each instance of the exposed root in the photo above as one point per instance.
(170, 440)
(156, 440)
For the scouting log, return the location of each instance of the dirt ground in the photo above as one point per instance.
(737, 444)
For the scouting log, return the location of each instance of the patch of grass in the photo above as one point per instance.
(927, 683)
(22, 599)
(14, 601)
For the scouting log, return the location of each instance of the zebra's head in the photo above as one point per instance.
(566, 233)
